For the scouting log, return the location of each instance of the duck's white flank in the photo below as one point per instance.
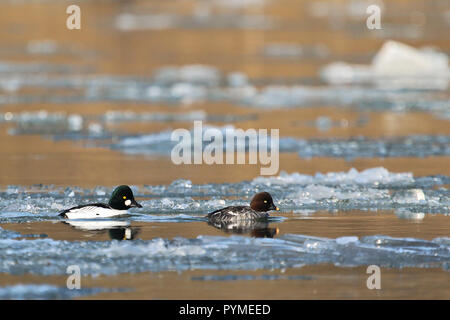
(90, 212)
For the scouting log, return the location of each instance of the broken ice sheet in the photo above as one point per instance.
(362, 97)
(361, 147)
(129, 116)
(369, 177)
(61, 125)
(188, 84)
(48, 257)
(183, 201)
(161, 143)
(374, 188)
(43, 122)
(194, 74)
(45, 292)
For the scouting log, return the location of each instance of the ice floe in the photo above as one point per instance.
(48, 257)
(45, 292)
(161, 143)
(396, 65)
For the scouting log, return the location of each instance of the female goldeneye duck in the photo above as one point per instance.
(121, 200)
(260, 204)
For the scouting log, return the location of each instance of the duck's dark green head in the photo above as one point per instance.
(122, 199)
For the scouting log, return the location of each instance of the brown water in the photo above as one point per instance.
(99, 49)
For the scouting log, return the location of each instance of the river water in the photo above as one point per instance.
(364, 149)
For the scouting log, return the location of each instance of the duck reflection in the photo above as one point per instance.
(117, 230)
(123, 233)
(257, 229)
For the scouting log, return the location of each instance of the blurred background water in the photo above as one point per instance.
(364, 145)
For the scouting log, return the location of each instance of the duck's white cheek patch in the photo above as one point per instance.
(127, 202)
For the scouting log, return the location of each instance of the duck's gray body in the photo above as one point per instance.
(236, 213)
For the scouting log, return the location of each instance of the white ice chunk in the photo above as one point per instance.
(75, 122)
(396, 65)
(409, 196)
(366, 177)
(400, 64)
(346, 240)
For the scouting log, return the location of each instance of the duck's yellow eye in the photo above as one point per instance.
(124, 197)
(265, 201)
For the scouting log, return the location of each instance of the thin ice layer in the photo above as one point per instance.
(44, 292)
(48, 257)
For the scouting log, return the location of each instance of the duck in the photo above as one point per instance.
(121, 200)
(258, 210)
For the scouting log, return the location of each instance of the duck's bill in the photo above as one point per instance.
(274, 207)
(135, 204)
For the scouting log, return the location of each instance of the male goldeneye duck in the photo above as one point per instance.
(260, 204)
(121, 200)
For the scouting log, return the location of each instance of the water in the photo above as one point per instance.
(364, 149)
(183, 202)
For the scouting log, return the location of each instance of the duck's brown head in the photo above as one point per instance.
(263, 202)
